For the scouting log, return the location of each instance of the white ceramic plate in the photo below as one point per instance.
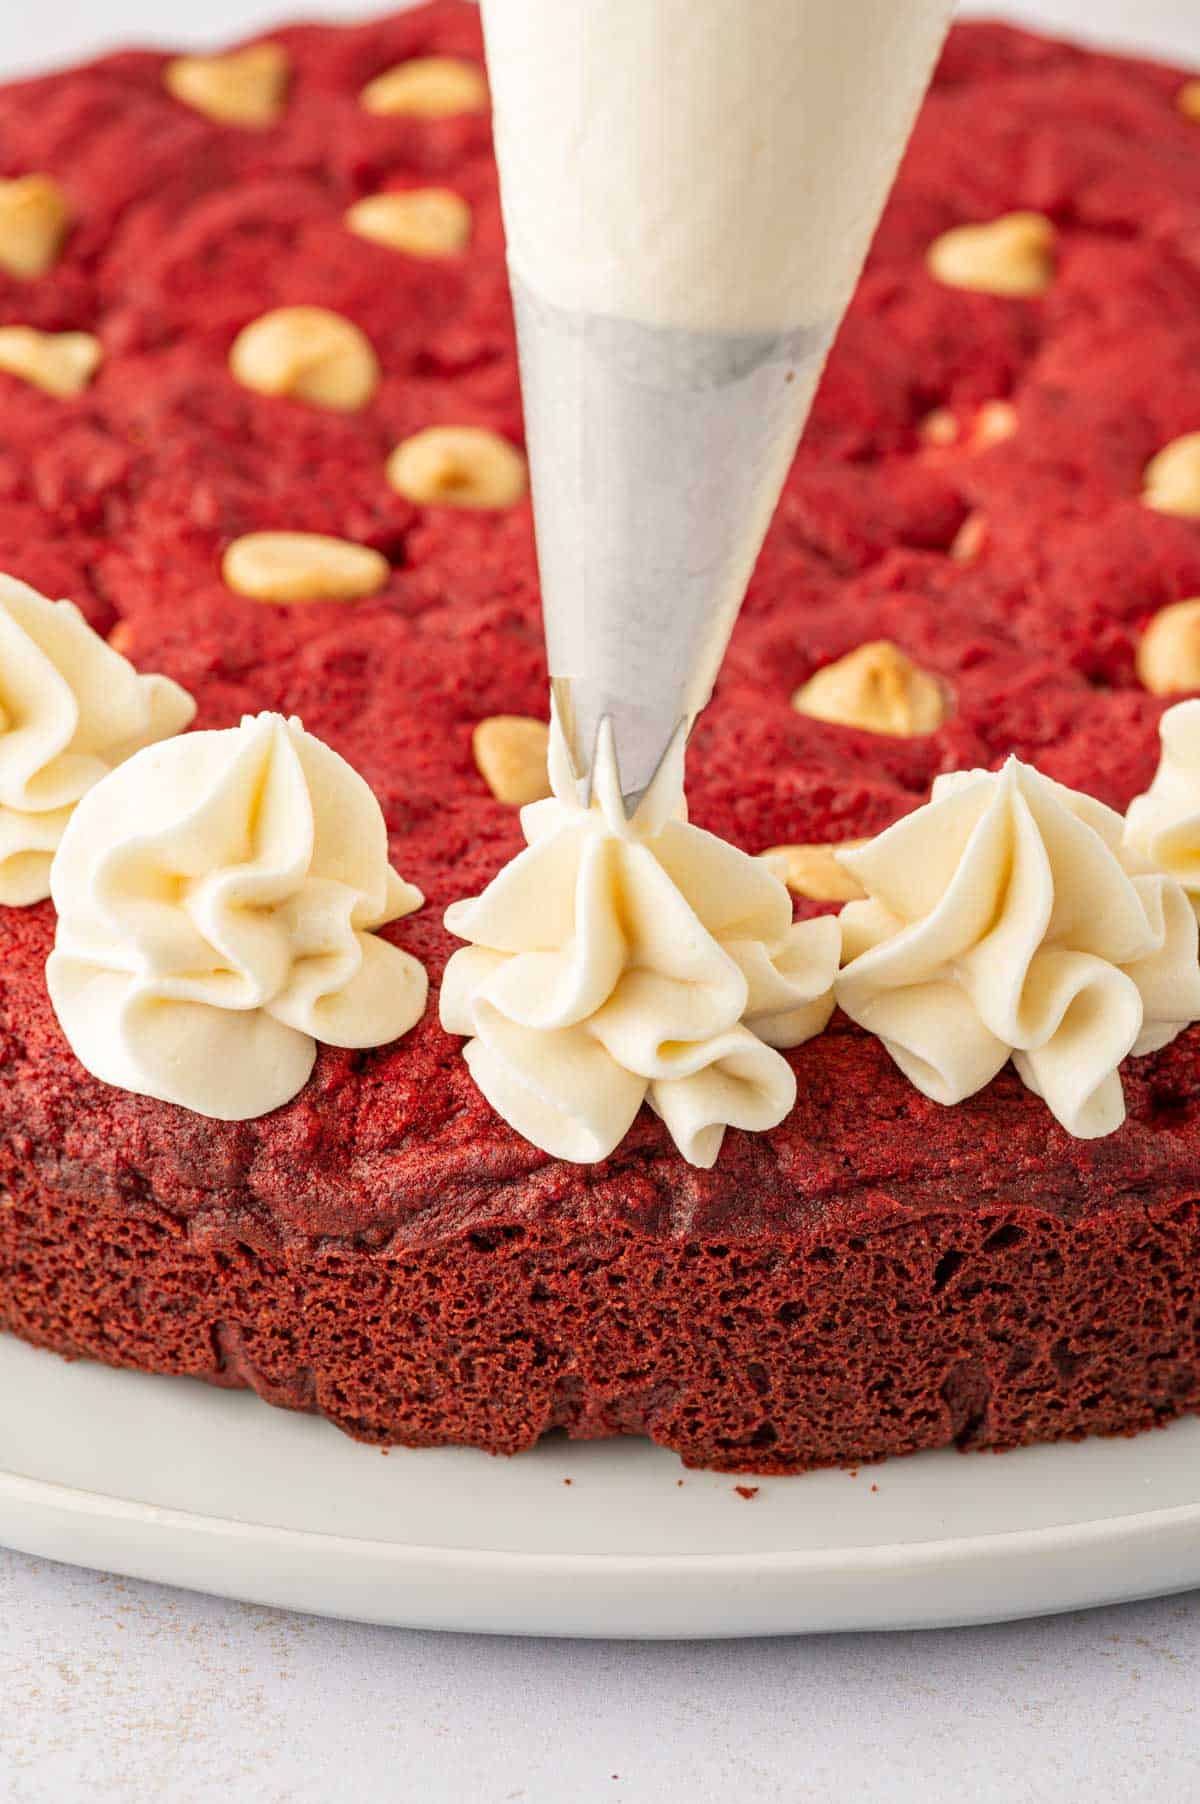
(167, 1479)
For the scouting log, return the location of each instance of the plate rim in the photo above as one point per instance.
(113, 1496)
(937, 1552)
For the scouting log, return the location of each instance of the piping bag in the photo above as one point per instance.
(689, 188)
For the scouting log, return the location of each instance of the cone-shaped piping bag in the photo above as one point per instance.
(689, 187)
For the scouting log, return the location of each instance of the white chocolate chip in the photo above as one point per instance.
(424, 222)
(431, 87)
(968, 541)
(876, 688)
(938, 428)
(1188, 100)
(61, 363)
(284, 567)
(307, 354)
(34, 216)
(814, 871)
(458, 466)
(246, 87)
(1168, 653)
(1171, 480)
(510, 756)
(1012, 255)
(994, 422)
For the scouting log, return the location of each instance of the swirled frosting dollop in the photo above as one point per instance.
(1163, 826)
(71, 708)
(615, 962)
(1005, 919)
(217, 897)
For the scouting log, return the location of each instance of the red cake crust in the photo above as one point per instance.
(876, 1275)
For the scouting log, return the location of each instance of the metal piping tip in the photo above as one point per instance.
(600, 781)
(604, 729)
(657, 455)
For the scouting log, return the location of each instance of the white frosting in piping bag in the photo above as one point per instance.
(216, 899)
(711, 164)
(1006, 919)
(1164, 824)
(613, 963)
(71, 708)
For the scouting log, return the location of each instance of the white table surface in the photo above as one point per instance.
(123, 1693)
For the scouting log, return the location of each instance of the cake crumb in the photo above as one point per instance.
(746, 1491)
(566, 1481)
(874, 1487)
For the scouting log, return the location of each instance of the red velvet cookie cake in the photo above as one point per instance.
(265, 295)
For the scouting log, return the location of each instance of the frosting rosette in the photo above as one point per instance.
(1005, 919)
(1163, 826)
(71, 709)
(217, 899)
(615, 962)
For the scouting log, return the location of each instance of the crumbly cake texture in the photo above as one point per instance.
(876, 1275)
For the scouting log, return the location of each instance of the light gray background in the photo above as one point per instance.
(37, 33)
(125, 1693)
